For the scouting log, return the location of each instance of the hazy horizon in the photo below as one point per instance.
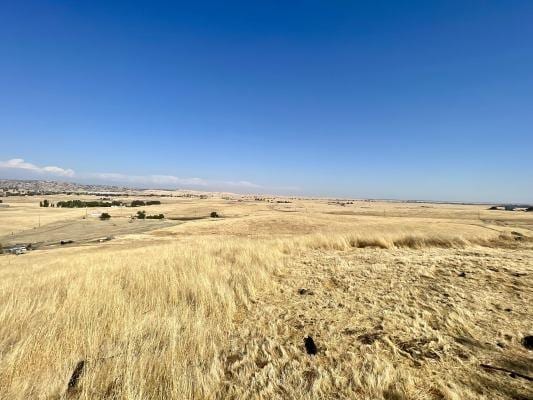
(258, 191)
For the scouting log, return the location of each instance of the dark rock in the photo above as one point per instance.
(310, 346)
(303, 291)
(462, 275)
(76, 375)
(527, 342)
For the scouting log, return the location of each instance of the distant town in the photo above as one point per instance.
(10, 187)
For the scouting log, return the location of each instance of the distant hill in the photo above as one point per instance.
(13, 186)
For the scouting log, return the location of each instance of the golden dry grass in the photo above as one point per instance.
(212, 308)
(149, 321)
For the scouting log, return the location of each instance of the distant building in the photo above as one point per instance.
(19, 249)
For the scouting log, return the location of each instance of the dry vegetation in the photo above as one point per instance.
(404, 301)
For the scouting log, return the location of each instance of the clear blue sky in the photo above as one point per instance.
(389, 99)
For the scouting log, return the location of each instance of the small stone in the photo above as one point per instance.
(310, 346)
(527, 342)
(462, 275)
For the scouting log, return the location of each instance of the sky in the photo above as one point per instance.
(377, 99)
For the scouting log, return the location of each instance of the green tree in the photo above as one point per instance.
(105, 216)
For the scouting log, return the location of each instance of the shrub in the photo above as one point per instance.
(529, 209)
(153, 202)
(137, 203)
(105, 216)
(141, 214)
(214, 214)
(160, 216)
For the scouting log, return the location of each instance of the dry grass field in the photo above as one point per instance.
(403, 301)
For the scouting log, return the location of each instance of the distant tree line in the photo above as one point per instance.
(98, 203)
(83, 204)
(141, 203)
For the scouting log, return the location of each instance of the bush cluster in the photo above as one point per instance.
(158, 216)
(142, 215)
(83, 204)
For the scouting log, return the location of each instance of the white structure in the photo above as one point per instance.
(17, 250)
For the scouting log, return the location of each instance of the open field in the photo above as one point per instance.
(403, 301)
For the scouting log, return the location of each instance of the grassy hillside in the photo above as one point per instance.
(405, 306)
